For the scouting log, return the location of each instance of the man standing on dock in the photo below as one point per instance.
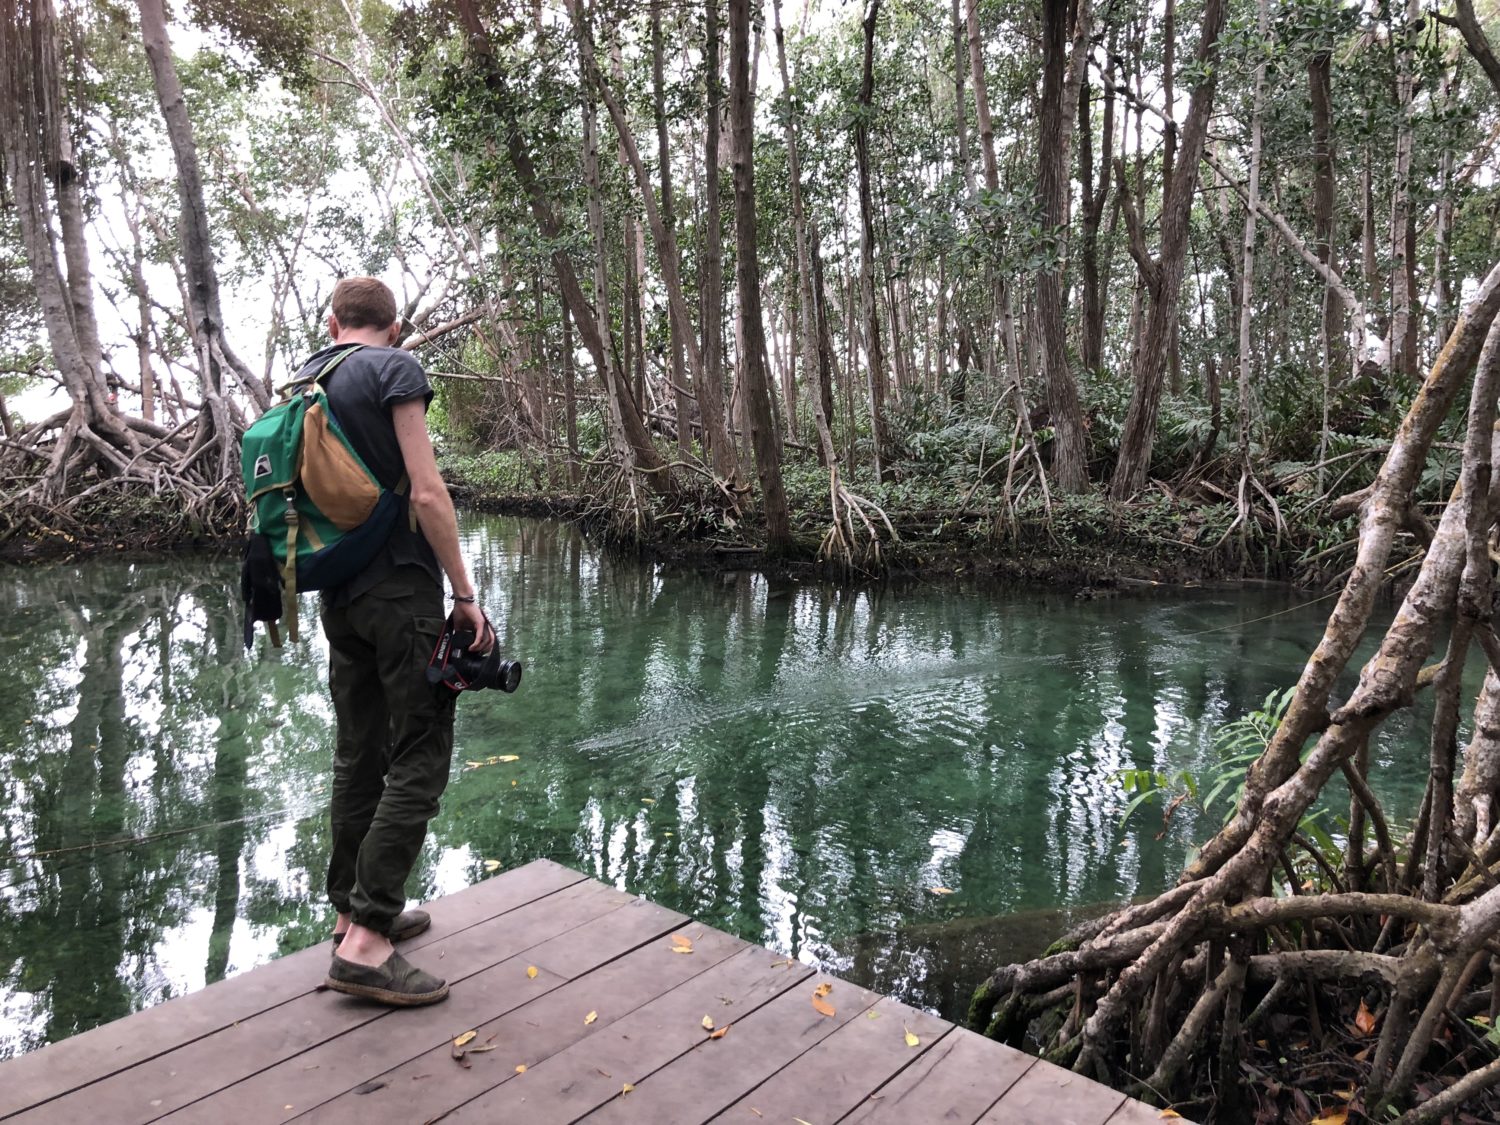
(394, 729)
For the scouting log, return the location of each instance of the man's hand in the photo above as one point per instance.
(468, 615)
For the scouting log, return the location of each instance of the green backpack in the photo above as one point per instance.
(318, 515)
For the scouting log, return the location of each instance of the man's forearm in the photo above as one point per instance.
(439, 524)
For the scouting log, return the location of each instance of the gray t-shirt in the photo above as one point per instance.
(361, 391)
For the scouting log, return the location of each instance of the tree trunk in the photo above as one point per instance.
(669, 224)
(1062, 75)
(1091, 350)
(215, 358)
(747, 275)
(875, 376)
(628, 435)
(711, 386)
(1320, 94)
(1139, 431)
(1403, 231)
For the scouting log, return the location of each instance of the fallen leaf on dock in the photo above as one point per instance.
(872, 1014)
(466, 1037)
(822, 1007)
(823, 989)
(521, 1069)
(708, 1023)
(911, 1040)
(1168, 1112)
(531, 971)
(681, 943)
(721, 1032)
(626, 1089)
(481, 1050)
(591, 1017)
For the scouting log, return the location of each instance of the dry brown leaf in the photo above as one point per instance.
(708, 1023)
(531, 972)
(1332, 1117)
(464, 1038)
(823, 1007)
(626, 1089)
(1364, 1020)
(1362, 1055)
(823, 989)
(911, 1040)
(721, 1032)
(681, 949)
(682, 941)
(591, 1017)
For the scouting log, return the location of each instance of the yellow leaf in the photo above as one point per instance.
(591, 1017)
(708, 1023)
(531, 971)
(940, 890)
(911, 1040)
(1345, 1095)
(521, 1069)
(823, 989)
(508, 758)
(513, 781)
(1364, 1020)
(492, 865)
(872, 1014)
(823, 1007)
(626, 1089)
(799, 1121)
(680, 949)
(464, 1038)
(682, 941)
(1168, 1112)
(1332, 1117)
(648, 800)
(723, 1031)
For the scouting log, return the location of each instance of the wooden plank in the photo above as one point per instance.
(838, 1074)
(432, 1084)
(54, 1070)
(715, 1073)
(197, 1069)
(342, 1064)
(572, 1082)
(957, 1081)
(1059, 1097)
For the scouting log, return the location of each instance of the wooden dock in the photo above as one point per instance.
(584, 1003)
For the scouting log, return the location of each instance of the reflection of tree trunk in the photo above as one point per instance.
(227, 800)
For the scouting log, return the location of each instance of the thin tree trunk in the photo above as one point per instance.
(711, 386)
(1139, 431)
(1062, 76)
(1403, 268)
(875, 375)
(747, 275)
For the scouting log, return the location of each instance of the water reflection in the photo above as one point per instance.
(801, 765)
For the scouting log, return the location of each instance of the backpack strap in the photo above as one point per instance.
(287, 389)
(289, 569)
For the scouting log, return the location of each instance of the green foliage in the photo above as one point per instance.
(1215, 790)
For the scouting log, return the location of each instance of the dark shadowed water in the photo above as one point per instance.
(797, 764)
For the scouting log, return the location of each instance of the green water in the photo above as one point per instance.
(798, 764)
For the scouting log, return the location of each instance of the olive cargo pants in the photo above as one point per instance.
(394, 741)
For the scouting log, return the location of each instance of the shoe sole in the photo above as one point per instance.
(386, 995)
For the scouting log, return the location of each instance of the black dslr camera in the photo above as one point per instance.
(453, 665)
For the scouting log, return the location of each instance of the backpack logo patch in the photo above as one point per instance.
(262, 466)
